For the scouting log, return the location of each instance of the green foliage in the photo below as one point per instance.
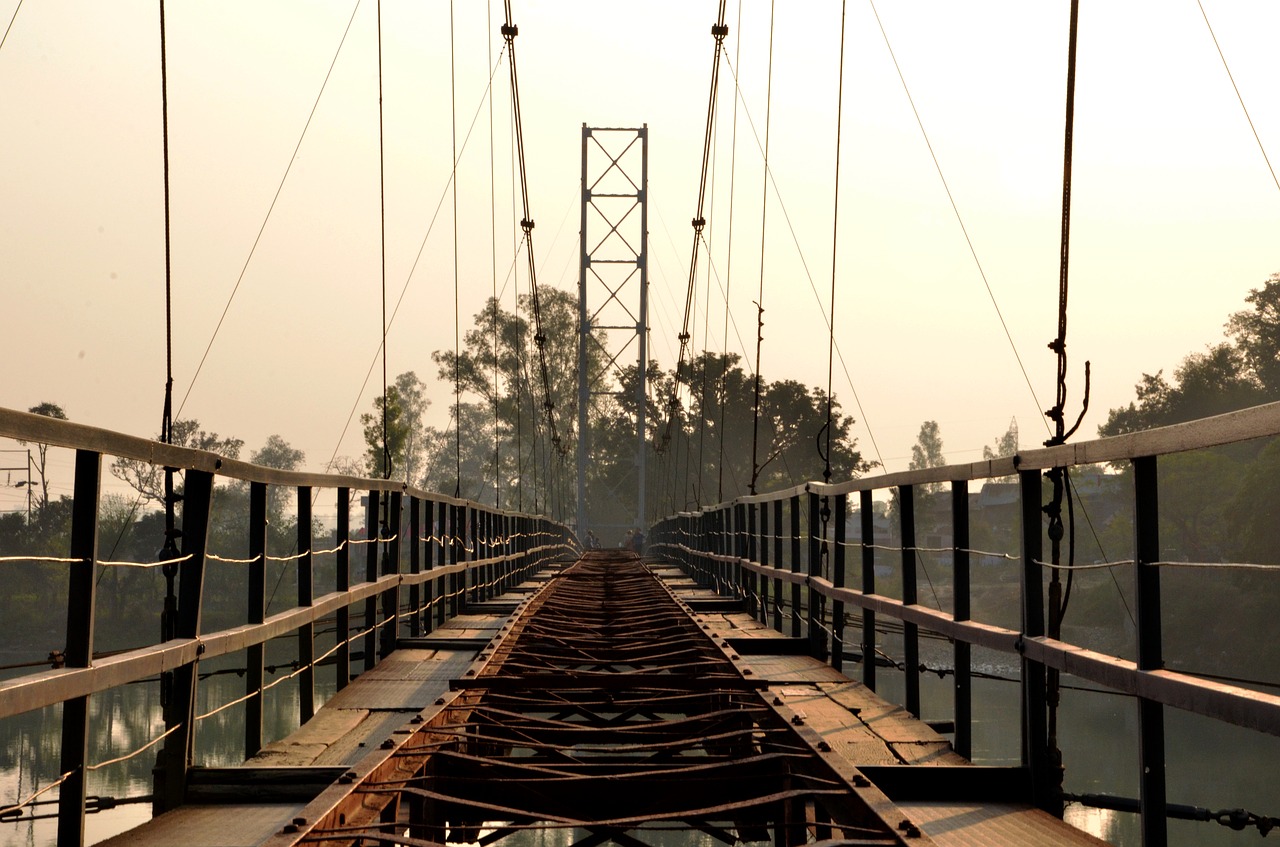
(1005, 445)
(1235, 374)
(505, 456)
(48, 410)
(1214, 503)
(148, 479)
(715, 435)
(927, 451)
(406, 432)
(1251, 512)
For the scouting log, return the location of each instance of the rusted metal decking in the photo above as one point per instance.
(608, 705)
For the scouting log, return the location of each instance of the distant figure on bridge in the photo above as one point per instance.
(637, 541)
(625, 544)
(593, 543)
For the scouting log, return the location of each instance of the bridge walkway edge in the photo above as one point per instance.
(952, 801)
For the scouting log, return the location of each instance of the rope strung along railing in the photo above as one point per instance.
(710, 545)
(509, 32)
(472, 552)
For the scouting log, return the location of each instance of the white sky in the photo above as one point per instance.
(1175, 217)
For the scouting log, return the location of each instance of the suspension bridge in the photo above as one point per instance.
(427, 669)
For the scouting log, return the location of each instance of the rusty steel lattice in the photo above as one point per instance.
(603, 709)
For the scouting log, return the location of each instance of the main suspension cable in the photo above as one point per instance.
(509, 32)
(764, 208)
(728, 265)
(169, 550)
(835, 243)
(718, 32)
(457, 345)
(493, 238)
(382, 232)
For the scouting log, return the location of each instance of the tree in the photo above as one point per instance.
(504, 379)
(1005, 445)
(406, 403)
(506, 452)
(1257, 334)
(147, 479)
(278, 453)
(1243, 371)
(927, 451)
(48, 410)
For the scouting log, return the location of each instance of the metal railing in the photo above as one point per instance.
(426, 556)
(756, 549)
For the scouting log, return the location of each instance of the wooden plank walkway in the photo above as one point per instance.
(879, 738)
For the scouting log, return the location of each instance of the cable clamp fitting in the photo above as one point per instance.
(720, 30)
(526, 224)
(510, 30)
(698, 224)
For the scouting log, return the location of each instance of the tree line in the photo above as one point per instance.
(495, 448)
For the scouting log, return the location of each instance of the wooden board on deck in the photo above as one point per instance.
(982, 824)
(787, 670)
(737, 625)
(912, 739)
(839, 727)
(221, 825)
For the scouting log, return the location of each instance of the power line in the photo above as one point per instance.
(1239, 97)
(275, 198)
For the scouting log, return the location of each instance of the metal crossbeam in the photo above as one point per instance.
(605, 708)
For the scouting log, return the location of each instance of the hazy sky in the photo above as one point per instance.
(1175, 218)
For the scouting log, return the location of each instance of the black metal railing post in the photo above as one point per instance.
(79, 649)
(472, 553)
(415, 566)
(960, 611)
(255, 654)
(1146, 552)
(389, 622)
(446, 604)
(174, 760)
(839, 515)
(910, 596)
(306, 597)
(753, 580)
(373, 539)
(815, 600)
(767, 593)
(1035, 721)
(868, 516)
(794, 504)
(342, 582)
(777, 563)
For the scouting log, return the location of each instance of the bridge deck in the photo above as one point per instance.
(949, 800)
